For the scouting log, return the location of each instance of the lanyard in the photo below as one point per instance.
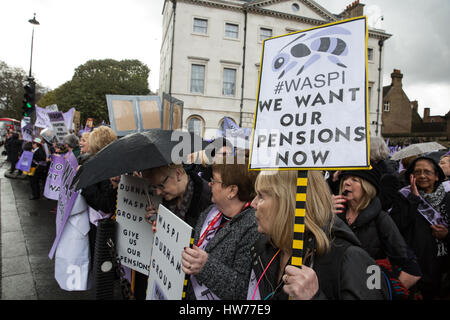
(208, 229)
(213, 222)
(264, 272)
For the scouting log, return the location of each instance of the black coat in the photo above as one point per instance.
(417, 234)
(342, 272)
(39, 161)
(380, 237)
(13, 146)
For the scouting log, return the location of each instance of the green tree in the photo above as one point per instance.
(12, 81)
(95, 79)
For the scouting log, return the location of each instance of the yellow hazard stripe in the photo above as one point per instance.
(299, 228)
(296, 261)
(300, 197)
(297, 244)
(302, 181)
(300, 212)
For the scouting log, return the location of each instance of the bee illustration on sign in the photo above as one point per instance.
(323, 42)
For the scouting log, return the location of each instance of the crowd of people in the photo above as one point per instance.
(243, 221)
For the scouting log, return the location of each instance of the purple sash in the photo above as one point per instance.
(252, 286)
(66, 200)
(425, 209)
(201, 291)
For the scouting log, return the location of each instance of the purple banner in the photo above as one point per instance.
(53, 182)
(25, 160)
(66, 198)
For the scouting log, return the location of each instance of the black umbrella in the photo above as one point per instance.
(136, 152)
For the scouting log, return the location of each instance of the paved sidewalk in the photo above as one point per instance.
(27, 234)
(17, 278)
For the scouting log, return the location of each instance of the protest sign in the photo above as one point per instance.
(312, 109)
(25, 161)
(53, 182)
(134, 233)
(66, 198)
(166, 278)
(68, 118)
(27, 130)
(129, 114)
(58, 124)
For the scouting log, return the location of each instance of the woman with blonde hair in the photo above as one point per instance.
(375, 229)
(100, 137)
(334, 266)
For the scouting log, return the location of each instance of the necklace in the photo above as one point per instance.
(351, 219)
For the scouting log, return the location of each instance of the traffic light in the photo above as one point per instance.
(29, 98)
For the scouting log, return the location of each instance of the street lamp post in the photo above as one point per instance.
(33, 22)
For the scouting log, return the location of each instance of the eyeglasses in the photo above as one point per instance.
(425, 172)
(215, 181)
(159, 186)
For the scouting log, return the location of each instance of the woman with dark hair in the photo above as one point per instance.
(422, 215)
(219, 263)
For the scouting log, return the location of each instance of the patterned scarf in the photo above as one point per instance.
(436, 200)
(181, 210)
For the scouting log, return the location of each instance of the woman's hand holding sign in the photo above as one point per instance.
(193, 260)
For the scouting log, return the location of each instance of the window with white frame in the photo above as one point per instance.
(195, 125)
(200, 26)
(197, 78)
(264, 33)
(386, 106)
(370, 54)
(231, 30)
(229, 82)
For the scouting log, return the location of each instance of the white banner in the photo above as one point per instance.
(312, 109)
(58, 125)
(134, 234)
(166, 278)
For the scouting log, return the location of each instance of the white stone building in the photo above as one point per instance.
(211, 51)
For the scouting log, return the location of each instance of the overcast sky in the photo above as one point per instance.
(73, 32)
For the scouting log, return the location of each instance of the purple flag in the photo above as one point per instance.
(53, 182)
(25, 161)
(67, 197)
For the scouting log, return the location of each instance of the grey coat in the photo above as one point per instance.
(227, 270)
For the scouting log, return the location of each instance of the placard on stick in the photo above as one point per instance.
(166, 279)
(134, 233)
(312, 107)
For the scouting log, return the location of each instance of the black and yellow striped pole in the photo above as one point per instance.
(299, 222)
(186, 277)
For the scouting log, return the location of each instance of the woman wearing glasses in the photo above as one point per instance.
(218, 263)
(422, 215)
(334, 265)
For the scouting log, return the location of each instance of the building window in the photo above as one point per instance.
(295, 7)
(197, 78)
(229, 82)
(195, 125)
(264, 33)
(231, 30)
(386, 106)
(200, 25)
(370, 54)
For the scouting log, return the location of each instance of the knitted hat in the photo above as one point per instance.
(372, 176)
